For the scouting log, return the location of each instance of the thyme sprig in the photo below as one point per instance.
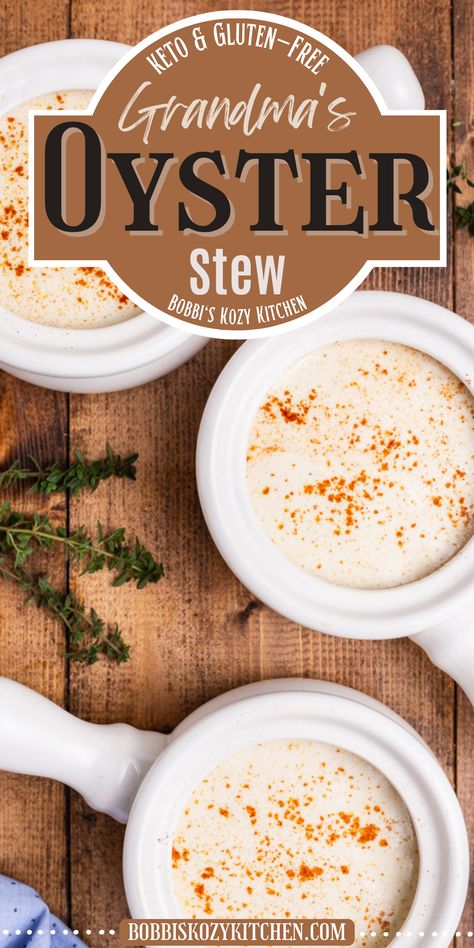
(457, 173)
(24, 534)
(20, 533)
(463, 215)
(78, 476)
(89, 636)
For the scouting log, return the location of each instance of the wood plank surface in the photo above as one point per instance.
(199, 632)
(33, 837)
(208, 636)
(463, 112)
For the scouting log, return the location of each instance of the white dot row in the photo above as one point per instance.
(410, 934)
(111, 931)
(53, 931)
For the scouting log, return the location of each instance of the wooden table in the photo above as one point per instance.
(200, 632)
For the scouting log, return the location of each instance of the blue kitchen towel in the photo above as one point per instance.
(23, 910)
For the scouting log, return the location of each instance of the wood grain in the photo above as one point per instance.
(33, 830)
(32, 817)
(199, 632)
(33, 840)
(463, 111)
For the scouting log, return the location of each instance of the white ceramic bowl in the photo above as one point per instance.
(441, 602)
(107, 763)
(80, 360)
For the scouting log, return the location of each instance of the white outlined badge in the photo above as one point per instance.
(237, 174)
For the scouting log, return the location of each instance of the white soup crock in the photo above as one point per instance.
(436, 610)
(109, 358)
(108, 764)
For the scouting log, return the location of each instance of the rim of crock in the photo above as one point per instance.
(384, 740)
(51, 350)
(225, 500)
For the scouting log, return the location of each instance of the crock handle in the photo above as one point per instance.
(395, 79)
(451, 647)
(105, 763)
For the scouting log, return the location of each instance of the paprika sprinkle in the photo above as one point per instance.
(68, 297)
(360, 464)
(297, 829)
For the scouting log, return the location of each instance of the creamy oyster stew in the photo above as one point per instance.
(361, 464)
(297, 829)
(72, 297)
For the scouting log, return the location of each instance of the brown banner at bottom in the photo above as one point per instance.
(321, 932)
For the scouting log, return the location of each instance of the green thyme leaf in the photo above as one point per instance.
(80, 475)
(89, 636)
(21, 533)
